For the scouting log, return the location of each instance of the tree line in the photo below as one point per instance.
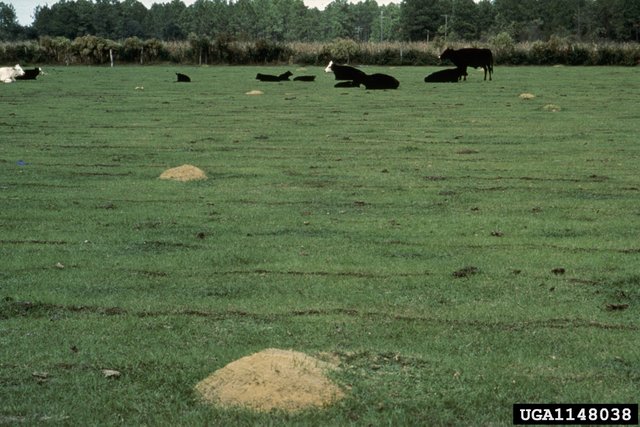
(285, 21)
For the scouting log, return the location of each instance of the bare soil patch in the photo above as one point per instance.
(272, 379)
(466, 271)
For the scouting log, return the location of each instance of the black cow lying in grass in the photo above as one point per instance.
(470, 57)
(380, 81)
(450, 75)
(304, 78)
(183, 78)
(358, 77)
(30, 74)
(272, 78)
(345, 72)
(349, 83)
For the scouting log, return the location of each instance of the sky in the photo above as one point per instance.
(24, 8)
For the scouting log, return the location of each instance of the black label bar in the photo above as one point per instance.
(575, 413)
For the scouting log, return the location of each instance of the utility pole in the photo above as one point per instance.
(381, 30)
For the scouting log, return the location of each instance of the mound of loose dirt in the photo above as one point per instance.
(184, 173)
(255, 92)
(526, 96)
(271, 379)
(552, 107)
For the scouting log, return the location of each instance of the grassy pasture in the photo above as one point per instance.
(458, 248)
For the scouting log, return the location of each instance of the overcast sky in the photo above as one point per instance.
(24, 8)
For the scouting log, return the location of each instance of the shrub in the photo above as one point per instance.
(132, 50)
(224, 49)
(24, 51)
(578, 55)
(419, 54)
(609, 55)
(550, 52)
(154, 50)
(308, 53)
(264, 51)
(92, 49)
(201, 48)
(519, 56)
(179, 53)
(239, 53)
(343, 50)
(57, 49)
(385, 56)
(503, 47)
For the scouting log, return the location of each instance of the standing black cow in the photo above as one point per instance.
(471, 57)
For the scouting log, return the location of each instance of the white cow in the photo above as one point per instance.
(9, 74)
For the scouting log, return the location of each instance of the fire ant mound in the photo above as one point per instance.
(183, 173)
(527, 96)
(272, 379)
(552, 107)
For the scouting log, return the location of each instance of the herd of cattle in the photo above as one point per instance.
(347, 75)
(354, 77)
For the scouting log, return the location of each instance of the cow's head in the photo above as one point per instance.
(19, 71)
(329, 68)
(446, 54)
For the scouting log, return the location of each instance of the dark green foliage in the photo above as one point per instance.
(578, 55)
(267, 52)
(610, 55)
(366, 21)
(131, 50)
(571, 32)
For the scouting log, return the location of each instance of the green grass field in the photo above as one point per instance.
(458, 248)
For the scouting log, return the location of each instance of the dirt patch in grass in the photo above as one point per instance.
(552, 107)
(272, 379)
(184, 173)
(466, 271)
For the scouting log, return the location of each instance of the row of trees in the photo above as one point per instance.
(291, 20)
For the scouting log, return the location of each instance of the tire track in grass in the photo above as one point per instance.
(12, 308)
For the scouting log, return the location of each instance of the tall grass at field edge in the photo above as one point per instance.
(91, 50)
